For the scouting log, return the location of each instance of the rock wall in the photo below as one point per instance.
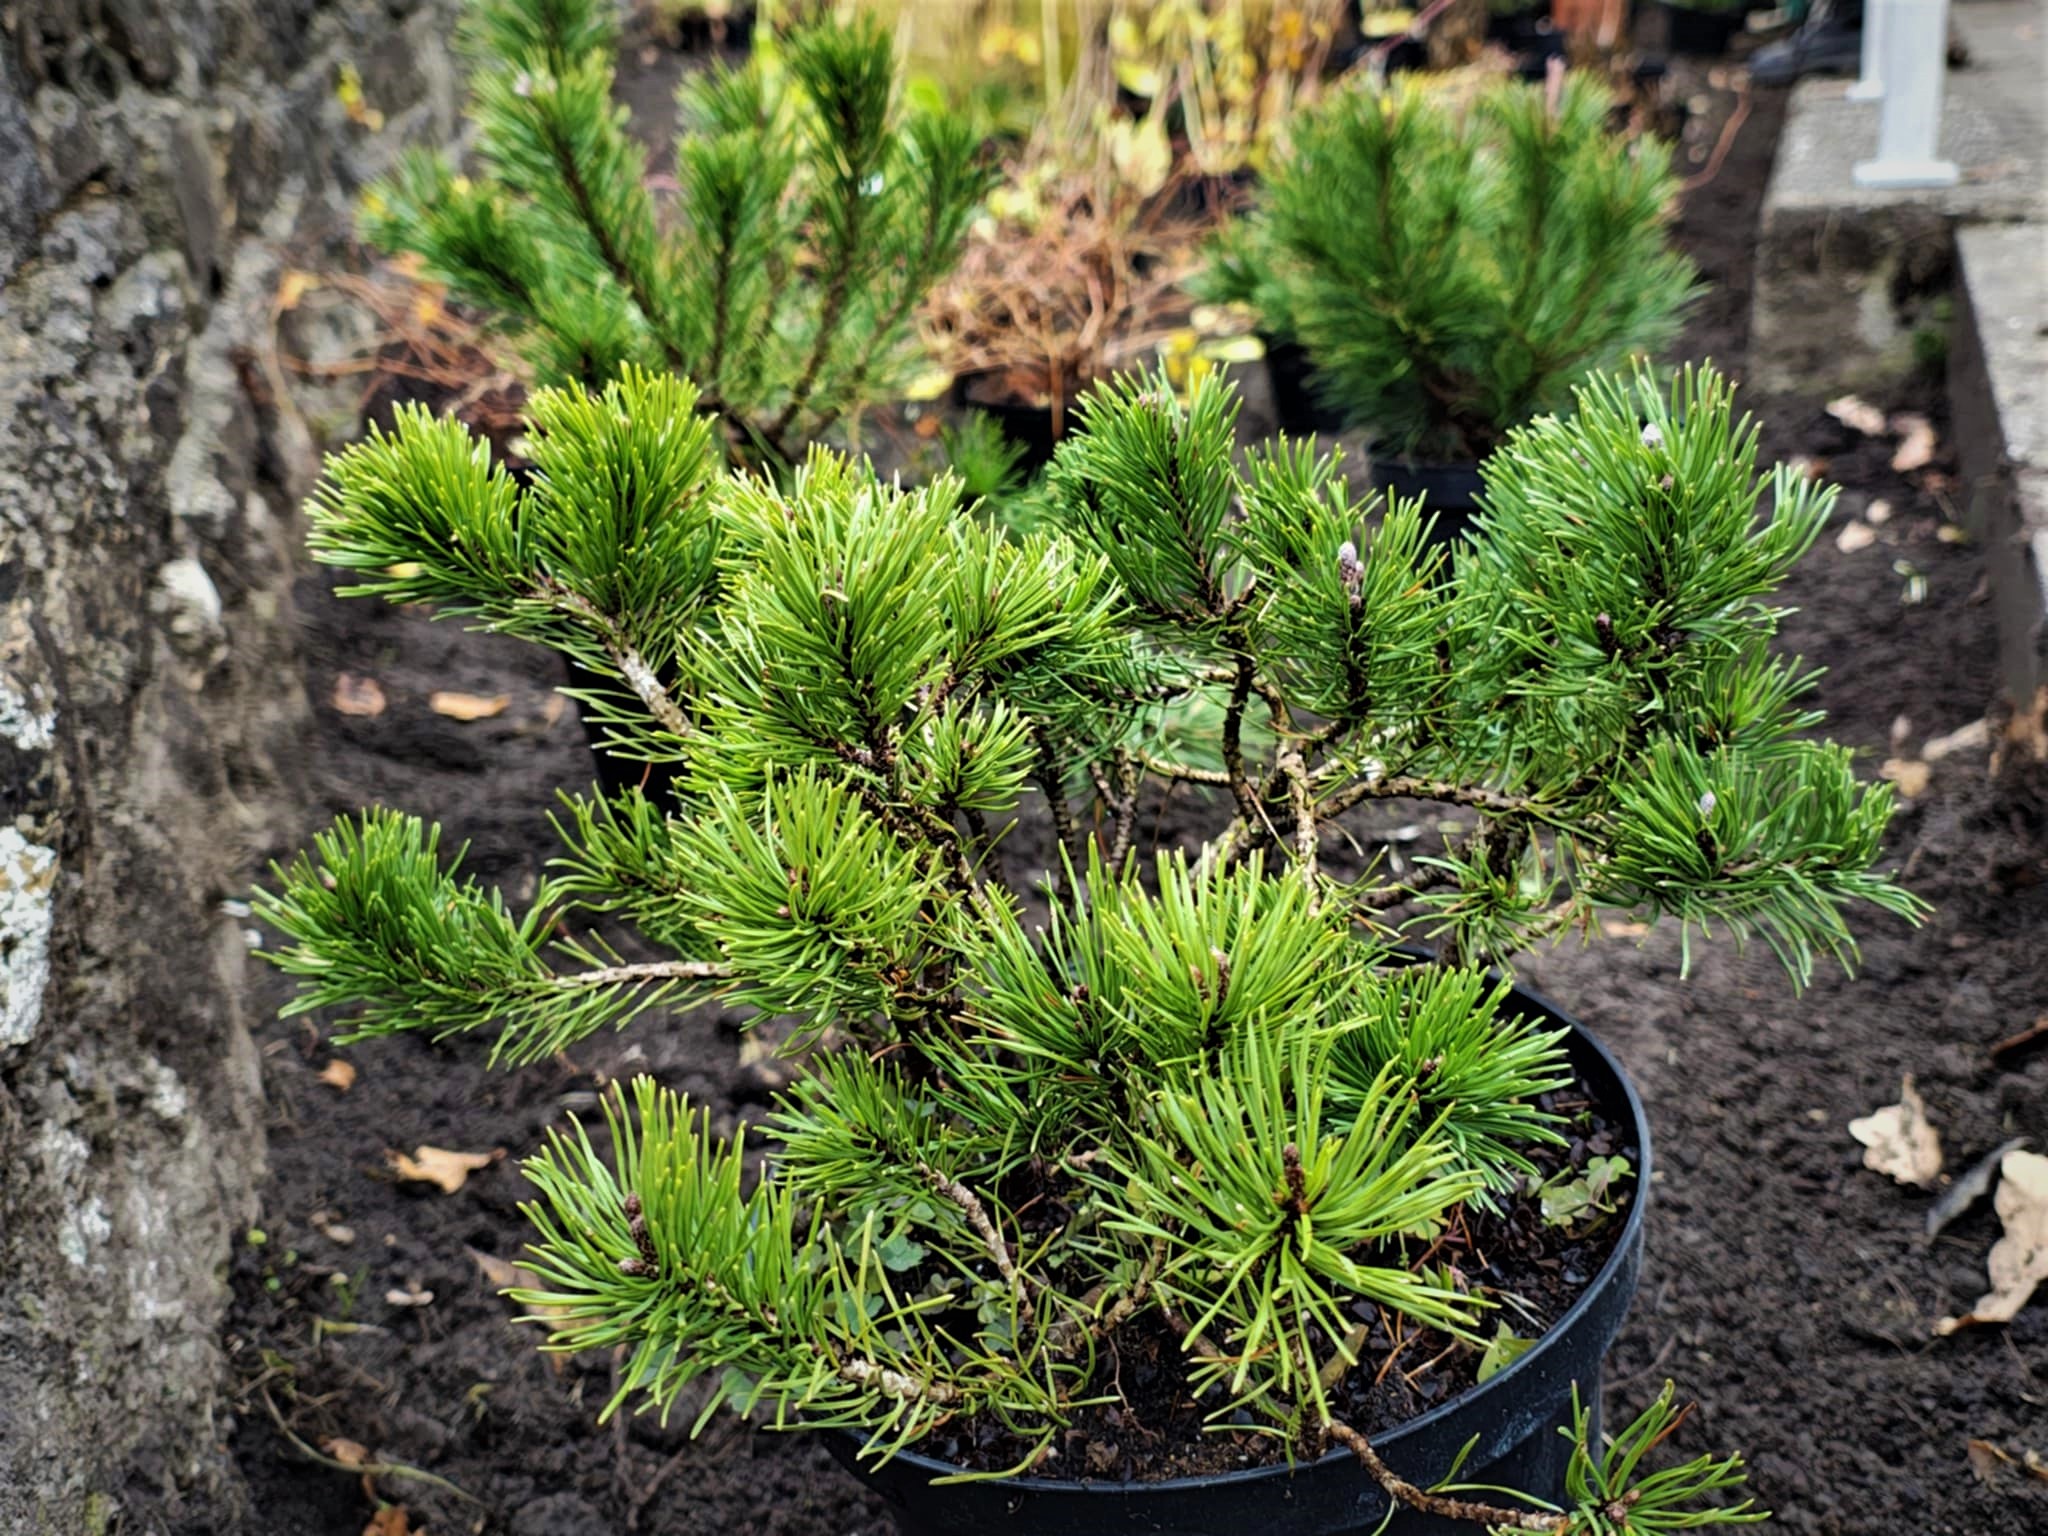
(161, 163)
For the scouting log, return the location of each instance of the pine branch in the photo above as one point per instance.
(1442, 1506)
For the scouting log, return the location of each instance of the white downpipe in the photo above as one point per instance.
(1869, 85)
(1912, 68)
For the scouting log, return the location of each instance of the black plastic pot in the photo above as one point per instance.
(1511, 1419)
(1695, 33)
(1533, 41)
(1450, 491)
(1291, 376)
(704, 34)
(618, 773)
(1028, 426)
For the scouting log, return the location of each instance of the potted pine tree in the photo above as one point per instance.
(1445, 273)
(817, 208)
(1158, 1190)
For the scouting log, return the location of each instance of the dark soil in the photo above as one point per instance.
(1786, 1288)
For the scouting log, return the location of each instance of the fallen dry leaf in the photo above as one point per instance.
(1899, 1141)
(502, 1274)
(1617, 928)
(1857, 415)
(358, 695)
(292, 287)
(349, 1453)
(1908, 773)
(339, 1075)
(1878, 513)
(333, 1228)
(391, 1520)
(1916, 442)
(2019, 1259)
(1855, 536)
(411, 1294)
(469, 706)
(551, 711)
(1973, 737)
(438, 1166)
(1984, 1460)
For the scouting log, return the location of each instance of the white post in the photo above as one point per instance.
(1870, 84)
(1912, 67)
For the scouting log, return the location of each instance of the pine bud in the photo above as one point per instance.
(1653, 437)
(1603, 628)
(637, 1269)
(1351, 572)
(1707, 803)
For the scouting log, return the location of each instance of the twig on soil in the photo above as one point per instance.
(2035, 1034)
(1736, 118)
(364, 1468)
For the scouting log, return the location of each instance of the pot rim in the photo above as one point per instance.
(1503, 1381)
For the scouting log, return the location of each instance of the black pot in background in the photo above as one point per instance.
(1291, 376)
(1698, 34)
(1449, 491)
(619, 773)
(703, 34)
(1511, 1419)
(1028, 426)
(1534, 42)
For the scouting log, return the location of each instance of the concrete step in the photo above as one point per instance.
(1998, 396)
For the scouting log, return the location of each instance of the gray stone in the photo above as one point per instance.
(149, 487)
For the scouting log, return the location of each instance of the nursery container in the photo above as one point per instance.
(1697, 32)
(1290, 376)
(733, 32)
(1451, 491)
(1512, 1419)
(616, 774)
(1027, 425)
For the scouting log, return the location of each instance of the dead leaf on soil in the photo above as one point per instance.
(1878, 513)
(339, 1075)
(469, 706)
(1899, 1141)
(333, 1228)
(350, 1453)
(358, 696)
(1855, 536)
(1916, 442)
(1973, 737)
(292, 287)
(1857, 415)
(2019, 1259)
(1970, 1188)
(502, 1275)
(1984, 1460)
(551, 711)
(1617, 928)
(391, 1520)
(438, 1166)
(1908, 773)
(411, 1294)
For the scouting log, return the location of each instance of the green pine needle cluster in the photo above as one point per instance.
(815, 209)
(1199, 1088)
(1456, 271)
